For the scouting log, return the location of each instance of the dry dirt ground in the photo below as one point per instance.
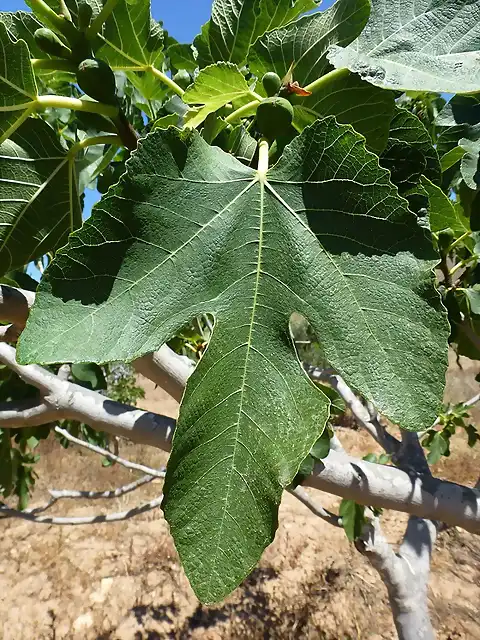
(123, 581)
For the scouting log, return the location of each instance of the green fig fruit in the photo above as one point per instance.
(274, 117)
(50, 43)
(97, 80)
(271, 83)
(182, 78)
(84, 16)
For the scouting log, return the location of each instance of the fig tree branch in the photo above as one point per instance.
(60, 399)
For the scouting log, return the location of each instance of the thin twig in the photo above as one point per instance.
(367, 419)
(101, 495)
(7, 512)
(315, 507)
(111, 456)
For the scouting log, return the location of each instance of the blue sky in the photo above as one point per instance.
(182, 18)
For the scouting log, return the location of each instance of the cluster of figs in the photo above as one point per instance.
(96, 78)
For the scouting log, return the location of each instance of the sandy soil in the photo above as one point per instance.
(123, 581)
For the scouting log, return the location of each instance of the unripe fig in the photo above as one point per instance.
(85, 12)
(271, 83)
(50, 43)
(97, 80)
(182, 78)
(274, 117)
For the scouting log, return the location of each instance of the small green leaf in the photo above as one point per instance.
(473, 435)
(181, 57)
(89, 375)
(469, 162)
(321, 448)
(443, 214)
(353, 518)
(213, 88)
(417, 46)
(473, 295)
(450, 158)
(39, 203)
(242, 144)
(166, 121)
(409, 153)
(438, 446)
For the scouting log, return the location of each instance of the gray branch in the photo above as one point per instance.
(405, 574)
(65, 400)
(341, 475)
(388, 487)
(167, 370)
(61, 494)
(316, 508)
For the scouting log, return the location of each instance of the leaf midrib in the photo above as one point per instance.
(258, 274)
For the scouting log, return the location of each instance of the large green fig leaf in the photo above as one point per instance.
(18, 90)
(39, 203)
(305, 42)
(191, 230)
(133, 40)
(236, 24)
(418, 45)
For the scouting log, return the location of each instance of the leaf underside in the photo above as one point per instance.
(417, 45)
(191, 230)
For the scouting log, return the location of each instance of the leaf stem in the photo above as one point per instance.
(460, 265)
(63, 102)
(166, 80)
(458, 240)
(255, 96)
(247, 110)
(53, 64)
(262, 157)
(90, 142)
(320, 83)
(64, 10)
(102, 17)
